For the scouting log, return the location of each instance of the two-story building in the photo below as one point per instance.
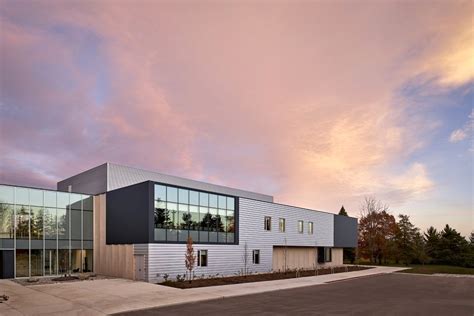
(132, 223)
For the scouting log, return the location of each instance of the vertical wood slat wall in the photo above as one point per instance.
(110, 260)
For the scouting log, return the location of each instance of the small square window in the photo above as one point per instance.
(310, 228)
(202, 258)
(267, 224)
(256, 256)
(281, 225)
(300, 227)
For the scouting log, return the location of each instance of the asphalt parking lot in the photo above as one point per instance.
(390, 294)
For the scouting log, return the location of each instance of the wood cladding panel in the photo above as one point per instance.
(111, 260)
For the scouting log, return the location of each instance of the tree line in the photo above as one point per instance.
(383, 239)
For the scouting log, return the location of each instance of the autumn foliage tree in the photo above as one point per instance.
(189, 258)
(383, 240)
(377, 230)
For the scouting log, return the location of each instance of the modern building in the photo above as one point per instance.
(132, 223)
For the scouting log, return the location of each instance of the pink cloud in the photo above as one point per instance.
(299, 101)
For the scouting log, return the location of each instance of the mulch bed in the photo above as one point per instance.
(60, 279)
(258, 277)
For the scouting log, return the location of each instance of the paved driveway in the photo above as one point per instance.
(100, 297)
(389, 294)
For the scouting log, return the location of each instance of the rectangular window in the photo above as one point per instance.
(310, 228)
(267, 224)
(256, 256)
(300, 227)
(202, 258)
(327, 254)
(281, 225)
(203, 216)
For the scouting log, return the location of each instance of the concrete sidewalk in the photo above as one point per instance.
(101, 297)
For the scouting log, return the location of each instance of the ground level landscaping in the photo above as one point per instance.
(259, 277)
(60, 279)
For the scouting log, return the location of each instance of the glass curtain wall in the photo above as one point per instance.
(205, 217)
(50, 232)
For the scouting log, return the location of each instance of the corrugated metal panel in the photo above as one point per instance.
(92, 181)
(122, 176)
(229, 259)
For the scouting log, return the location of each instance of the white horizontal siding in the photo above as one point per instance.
(252, 215)
(229, 259)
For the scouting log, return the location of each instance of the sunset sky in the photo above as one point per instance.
(318, 103)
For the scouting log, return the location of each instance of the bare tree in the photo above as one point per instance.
(368, 225)
(190, 258)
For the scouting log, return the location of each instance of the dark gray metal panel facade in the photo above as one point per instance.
(92, 181)
(7, 264)
(345, 231)
(129, 214)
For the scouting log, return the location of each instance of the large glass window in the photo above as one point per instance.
(50, 261)
(193, 197)
(36, 262)
(76, 225)
(53, 230)
(63, 223)
(36, 222)
(22, 222)
(213, 200)
(87, 260)
(7, 194)
(22, 196)
(171, 194)
(160, 193)
(183, 222)
(183, 196)
(50, 228)
(6, 221)
(22, 263)
(171, 232)
(87, 225)
(203, 199)
(36, 197)
(230, 227)
(205, 217)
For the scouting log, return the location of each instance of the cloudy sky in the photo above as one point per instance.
(318, 103)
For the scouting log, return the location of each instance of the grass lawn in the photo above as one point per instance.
(432, 269)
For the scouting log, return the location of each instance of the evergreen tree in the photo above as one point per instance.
(405, 238)
(432, 243)
(453, 248)
(419, 249)
(343, 211)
